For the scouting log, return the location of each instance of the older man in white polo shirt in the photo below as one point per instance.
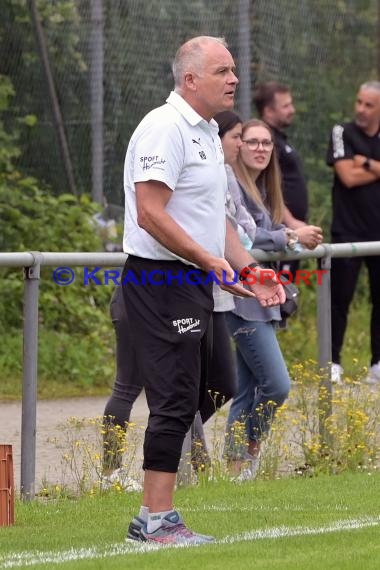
(175, 182)
(177, 147)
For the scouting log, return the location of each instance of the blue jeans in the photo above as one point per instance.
(263, 383)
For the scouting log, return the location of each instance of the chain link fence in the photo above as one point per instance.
(110, 62)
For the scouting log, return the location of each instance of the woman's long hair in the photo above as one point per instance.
(269, 179)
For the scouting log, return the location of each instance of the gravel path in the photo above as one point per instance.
(52, 438)
(51, 416)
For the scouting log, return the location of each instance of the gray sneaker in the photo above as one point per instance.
(174, 531)
(135, 527)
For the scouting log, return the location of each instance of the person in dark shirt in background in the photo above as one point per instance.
(274, 105)
(354, 153)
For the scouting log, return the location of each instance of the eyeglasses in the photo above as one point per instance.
(253, 144)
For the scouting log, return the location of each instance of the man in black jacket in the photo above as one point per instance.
(274, 104)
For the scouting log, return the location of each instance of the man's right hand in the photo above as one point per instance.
(226, 277)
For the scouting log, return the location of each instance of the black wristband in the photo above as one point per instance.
(367, 164)
(243, 273)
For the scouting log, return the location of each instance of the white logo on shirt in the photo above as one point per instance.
(148, 162)
(337, 141)
(189, 324)
(288, 149)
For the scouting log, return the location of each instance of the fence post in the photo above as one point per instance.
(29, 396)
(244, 59)
(324, 347)
(185, 467)
(7, 499)
(96, 99)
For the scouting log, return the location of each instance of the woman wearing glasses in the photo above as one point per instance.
(263, 379)
(259, 177)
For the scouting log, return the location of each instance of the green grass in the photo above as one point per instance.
(221, 509)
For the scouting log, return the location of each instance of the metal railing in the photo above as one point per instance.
(34, 260)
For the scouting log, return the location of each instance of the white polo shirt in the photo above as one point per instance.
(176, 146)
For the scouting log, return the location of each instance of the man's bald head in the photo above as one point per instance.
(190, 55)
(367, 107)
(371, 85)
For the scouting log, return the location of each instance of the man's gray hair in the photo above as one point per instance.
(190, 55)
(372, 85)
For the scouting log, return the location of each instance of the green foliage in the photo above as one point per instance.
(78, 364)
(8, 149)
(75, 329)
(76, 334)
(22, 64)
(34, 220)
(69, 365)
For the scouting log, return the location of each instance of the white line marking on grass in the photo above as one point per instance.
(32, 558)
(286, 531)
(227, 508)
